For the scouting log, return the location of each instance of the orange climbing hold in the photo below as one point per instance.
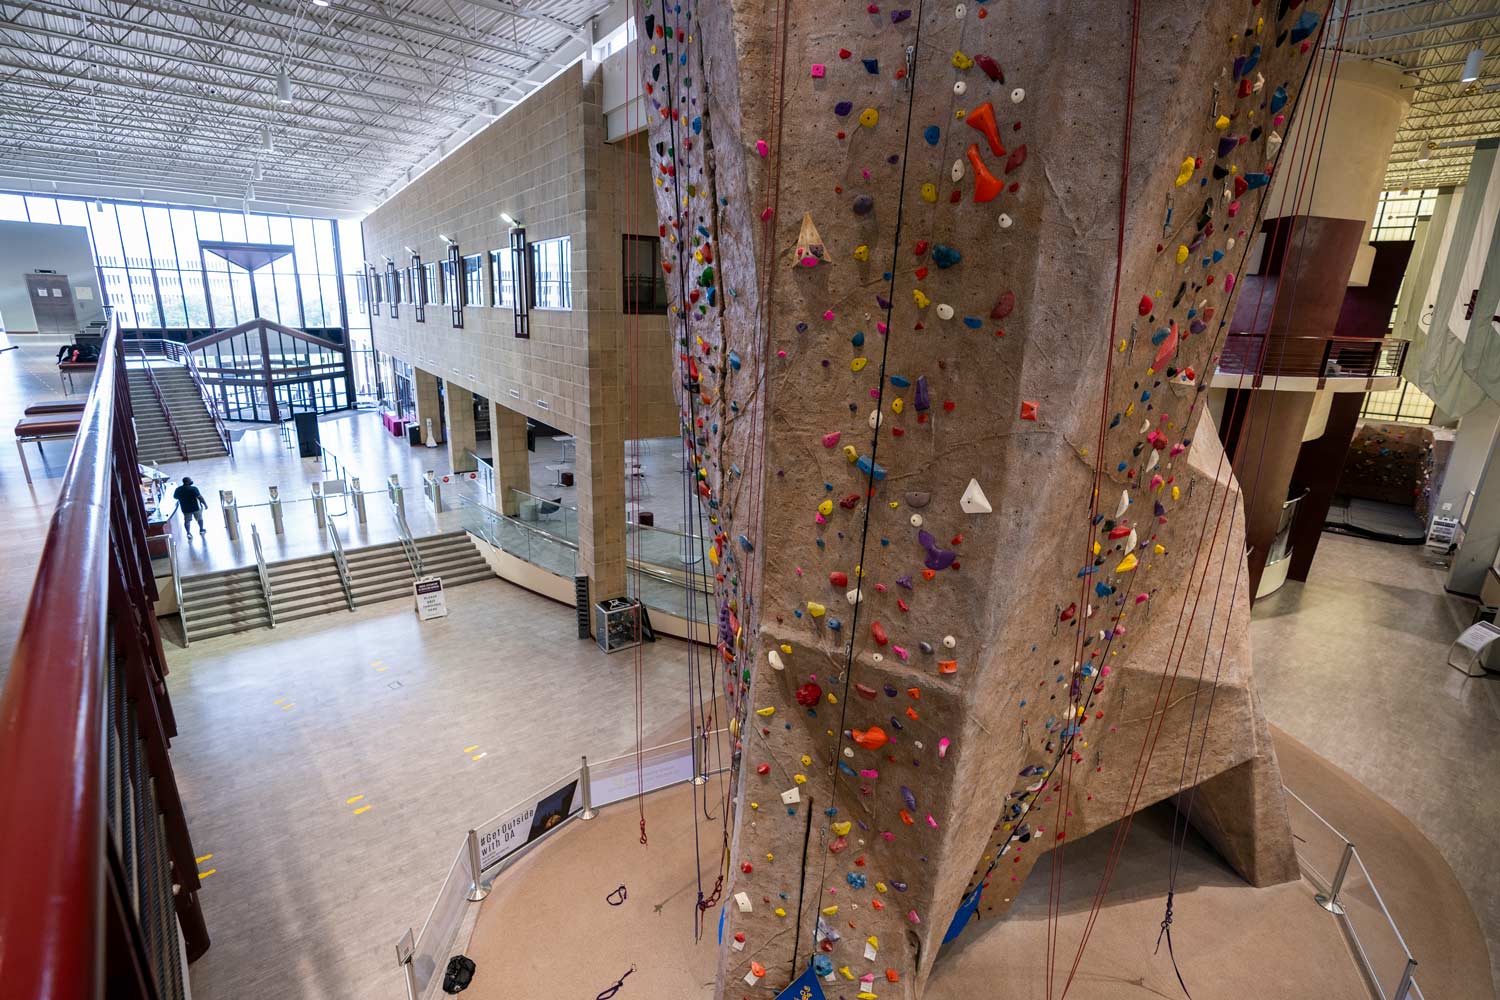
(982, 119)
(986, 185)
(871, 739)
(1028, 409)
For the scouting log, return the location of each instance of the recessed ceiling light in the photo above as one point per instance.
(1472, 65)
(320, 3)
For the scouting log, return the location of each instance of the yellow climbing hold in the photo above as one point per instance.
(1185, 172)
(880, 887)
(1176, 493)
(767, 712)
(815, 609)
(1159, 549)
(806, 761)
(851, 454)
(1222, 122)
(1182, 253)
(929, 192)
(961, 61)
(1127, 564)
(843, 969)
(755, 805)
(800, 779)
(842, 829)
(833, 699)
(858, 364)
(868, 117)
(830, 911)
(825, 508)
(921, 300)
(898, 404)
(1096, 548)
(780, 912)
(862, 252)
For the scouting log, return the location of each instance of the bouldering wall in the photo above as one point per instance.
(944, 397)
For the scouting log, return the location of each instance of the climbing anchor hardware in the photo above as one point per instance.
(606, 994)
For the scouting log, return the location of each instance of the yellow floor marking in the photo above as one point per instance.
(204, 875)
(278, 701)
(381, 670)
(204, 858)
(480, 756)
(351, 801)
(363, 809)
(471, 749)
(290, 704)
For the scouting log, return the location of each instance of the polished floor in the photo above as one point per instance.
(1351, 663)
(331, 767)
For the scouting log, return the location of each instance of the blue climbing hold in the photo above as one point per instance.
(945, 256)
(1305, 26)
(931, 134)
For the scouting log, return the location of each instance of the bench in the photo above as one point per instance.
(44, 427)
(67, 369)
(43, 409)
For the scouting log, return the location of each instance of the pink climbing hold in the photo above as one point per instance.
(829, 440)
(944, 744)
(819, 71)
(828, 314)
(762, 148)
(765, 215)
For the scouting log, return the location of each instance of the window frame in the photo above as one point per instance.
(657, 276)
(537, 254)
(475, 281)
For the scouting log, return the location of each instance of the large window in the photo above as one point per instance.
(1407, 405)
(433, 288)
(644, 281)
(474, 280)
(153, 274)
(450, 283)
(502, 294)
(552, 273)
(1398, 212)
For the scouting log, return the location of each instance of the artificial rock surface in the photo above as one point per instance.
(880, 301)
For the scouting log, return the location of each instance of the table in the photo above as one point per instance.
(58, 427)
(567, 443)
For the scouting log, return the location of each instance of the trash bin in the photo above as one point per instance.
(308, 444)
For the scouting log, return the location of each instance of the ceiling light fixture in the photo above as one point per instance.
(320, 3)
(266, 144)
(1425, 154)
(283, 85)
(509, 220)
(447, 239)
(257, 172)
(249, 192)
(1471, 65)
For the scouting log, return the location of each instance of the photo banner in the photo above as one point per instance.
(513, 830)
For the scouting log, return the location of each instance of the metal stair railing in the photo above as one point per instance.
(161, 401)
(265, 577)
(182, 614)
(408, 544)
(341, 564)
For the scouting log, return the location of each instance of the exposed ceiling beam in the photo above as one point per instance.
(1413, 29)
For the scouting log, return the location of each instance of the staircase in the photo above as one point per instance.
(232, 601)
(200, 438)
(301, 588)
(221, 603)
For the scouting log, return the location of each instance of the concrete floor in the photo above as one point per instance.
(1351, 663)
(280, 731)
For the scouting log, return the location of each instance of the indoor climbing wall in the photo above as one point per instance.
(949, 279)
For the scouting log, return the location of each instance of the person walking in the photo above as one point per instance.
(190, 501)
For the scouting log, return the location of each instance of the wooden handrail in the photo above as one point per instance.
(67, 922)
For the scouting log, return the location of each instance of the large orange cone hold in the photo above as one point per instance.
(983, 119)
(986, 184)
(871, 739)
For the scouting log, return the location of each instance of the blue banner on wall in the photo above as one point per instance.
(804, 987)
(966, 911)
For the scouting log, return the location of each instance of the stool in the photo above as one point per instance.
(645, 519)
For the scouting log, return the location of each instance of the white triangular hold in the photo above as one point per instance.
(974, 501)
(775, 659)
(852, 596)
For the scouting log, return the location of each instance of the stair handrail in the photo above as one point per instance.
(208, 399)
(341, 564)
(161, 401)
(265, 577)
(408, 544)
(177, 587)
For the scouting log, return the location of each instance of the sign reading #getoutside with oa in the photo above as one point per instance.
(524, 824)
(430, 600)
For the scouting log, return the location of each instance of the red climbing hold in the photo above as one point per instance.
(877, 632)
(982, 119)
(1017, 157)
(838, 579)
(1068, 613)
(809, 694)
(1145, 307)
(1004, 306)
(986, 184)
(1028, 409)
(990, 67)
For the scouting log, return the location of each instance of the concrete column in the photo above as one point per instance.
(1324, 452)
(600, 478)
(1313, 244)
(458, 407)
(429, 402)
(509, 456)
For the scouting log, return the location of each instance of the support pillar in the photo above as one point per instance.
(1319, 466)
(463, 445)
(509, 455)
(600, 478)
(428, 399)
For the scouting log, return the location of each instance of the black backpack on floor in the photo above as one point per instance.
(459, 975)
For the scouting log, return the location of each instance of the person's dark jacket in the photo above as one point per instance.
(189, 499)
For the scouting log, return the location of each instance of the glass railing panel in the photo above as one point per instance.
(1384, 950)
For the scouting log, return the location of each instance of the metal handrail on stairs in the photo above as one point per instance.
(341, 565)
(177, 588)
(265, 578)
(161, 401)
(408, 544)
(208, 400)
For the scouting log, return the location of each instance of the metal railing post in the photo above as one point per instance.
(231, 514)
(405, 949)
(177, 588)
(397, 495)
(699, 759)
(276, 510)
(477, 890)
(588, 791)
(1331, 902)
(320, 505)
(434, 490)
(359, 499)
(1403, 990)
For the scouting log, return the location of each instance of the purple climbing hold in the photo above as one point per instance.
(842, 108)
(864, 205)
(909, 797)
(1228, 144)
(923, 400)
(897, 16)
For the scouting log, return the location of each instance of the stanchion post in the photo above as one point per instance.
(588, 791)
(320, 506)
(359, 499)
(405, 948)
(1331, 902)
(477, 889)
(699, 760)
(231, 514)
(276, 510)
(393, 490)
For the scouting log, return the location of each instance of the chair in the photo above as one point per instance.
(1477, 638)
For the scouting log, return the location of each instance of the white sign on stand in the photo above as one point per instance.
(430, 601)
